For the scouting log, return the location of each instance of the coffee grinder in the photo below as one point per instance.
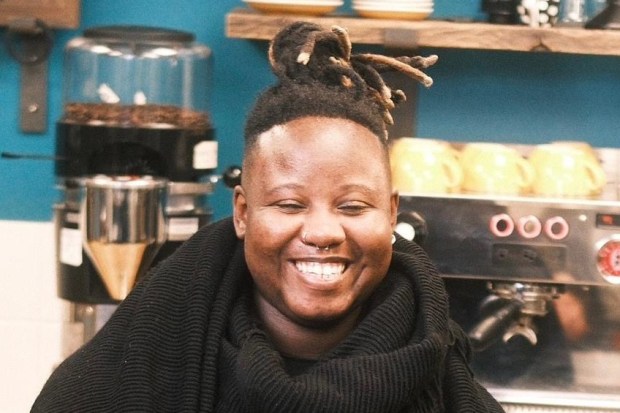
(136, 155)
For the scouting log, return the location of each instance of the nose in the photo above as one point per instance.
(322, 229)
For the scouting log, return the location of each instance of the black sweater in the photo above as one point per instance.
(185, 340)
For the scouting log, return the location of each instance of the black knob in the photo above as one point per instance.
(232, 176)
(410, 225)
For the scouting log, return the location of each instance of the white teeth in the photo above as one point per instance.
(327, 271)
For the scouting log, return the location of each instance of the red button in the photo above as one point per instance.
(609, 261)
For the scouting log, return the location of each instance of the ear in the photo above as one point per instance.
(240, 211)
(394, 199)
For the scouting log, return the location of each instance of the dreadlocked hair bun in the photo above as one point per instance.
(319, 76)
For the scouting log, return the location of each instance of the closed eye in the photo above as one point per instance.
(290, 207)
(353, 208)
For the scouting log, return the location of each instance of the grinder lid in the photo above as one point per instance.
(132, 33)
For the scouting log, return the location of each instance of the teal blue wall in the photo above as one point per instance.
(492, 96)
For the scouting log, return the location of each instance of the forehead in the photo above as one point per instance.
(321, 135)
(317, 151)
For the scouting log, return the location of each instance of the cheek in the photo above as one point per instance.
(265, 243)
(267, 232)
(376, 245)
(379, 257)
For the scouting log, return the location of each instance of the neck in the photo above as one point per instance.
(297, 340)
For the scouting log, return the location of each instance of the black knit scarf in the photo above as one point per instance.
(185, 341)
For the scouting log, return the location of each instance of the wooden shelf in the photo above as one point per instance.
(248, 24)
(64, 14)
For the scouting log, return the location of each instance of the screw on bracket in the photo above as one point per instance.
(29, 42)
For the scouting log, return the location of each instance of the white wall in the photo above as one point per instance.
(31, 315)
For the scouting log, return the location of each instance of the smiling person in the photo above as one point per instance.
(304, 300)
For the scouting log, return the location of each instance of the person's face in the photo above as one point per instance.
(325, 180)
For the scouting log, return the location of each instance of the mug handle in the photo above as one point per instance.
(526, 173)
(597, 176)
(454, 173)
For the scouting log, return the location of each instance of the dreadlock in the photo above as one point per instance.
(319, 76)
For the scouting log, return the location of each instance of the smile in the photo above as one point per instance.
(327, 271)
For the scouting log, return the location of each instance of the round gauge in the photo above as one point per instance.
(608, 261)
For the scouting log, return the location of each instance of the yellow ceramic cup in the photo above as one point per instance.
(564, 170)
(582, 146)
(421, 165)
(494, 168)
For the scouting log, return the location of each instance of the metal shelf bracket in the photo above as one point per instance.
(29, 41)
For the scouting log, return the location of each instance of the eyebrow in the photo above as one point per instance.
(365, 189)
(359, 187)
(285, 186)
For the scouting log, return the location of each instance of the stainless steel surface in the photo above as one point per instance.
(555, 401)
(123, 227)
(82, 323)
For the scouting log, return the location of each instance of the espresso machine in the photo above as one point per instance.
(535, 283)
(136, 156)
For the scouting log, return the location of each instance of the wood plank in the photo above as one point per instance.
(248, 24)
(63, 14)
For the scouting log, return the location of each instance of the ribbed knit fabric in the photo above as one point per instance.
(185, 341)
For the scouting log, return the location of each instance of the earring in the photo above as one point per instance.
(393, 239)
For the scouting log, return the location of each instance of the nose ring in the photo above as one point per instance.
(303, 239)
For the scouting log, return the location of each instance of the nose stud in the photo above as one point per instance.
(303, 239)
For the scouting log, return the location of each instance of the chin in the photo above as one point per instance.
(322, 320)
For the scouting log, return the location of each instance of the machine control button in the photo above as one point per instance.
(411, 226)
(232, 176)
(529, 226)
(556, 228)
(501, 225)
(608, 261)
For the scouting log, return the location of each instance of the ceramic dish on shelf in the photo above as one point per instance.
(406, 3)
(396, 9)
(393, 4)
(396, 14)
(374, 5)
(369, 6)
(307, 7)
